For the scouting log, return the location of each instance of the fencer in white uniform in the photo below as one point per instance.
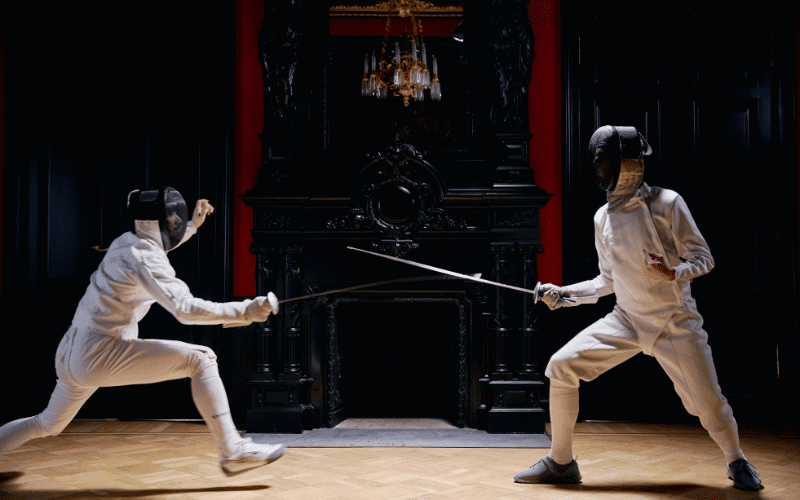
(649, 249)
(102, 348)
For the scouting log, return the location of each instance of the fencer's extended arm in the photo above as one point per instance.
(583, 292)
(159, 280)
(603, 283)
(587, 292)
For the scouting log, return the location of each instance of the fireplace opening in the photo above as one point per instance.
(403, 358)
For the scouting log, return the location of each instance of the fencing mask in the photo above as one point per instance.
(167, 207)
(619, 170)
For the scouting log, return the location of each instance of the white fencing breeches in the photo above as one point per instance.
(681, 349)
(87, 360)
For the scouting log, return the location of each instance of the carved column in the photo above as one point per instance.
(500, 370)
(265, 281)
(528, 368)
(291, 313)
(510, 40)
(513, 389)
(279, 404)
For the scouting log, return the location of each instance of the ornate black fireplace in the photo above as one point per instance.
(447, 184)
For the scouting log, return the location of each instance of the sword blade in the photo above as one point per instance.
(445, 271)
(365, 285)
(349, 288)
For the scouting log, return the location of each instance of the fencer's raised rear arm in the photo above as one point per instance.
(201, 210)
(690, 244)
(190, 231)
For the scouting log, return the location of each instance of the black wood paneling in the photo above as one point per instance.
(103, 98)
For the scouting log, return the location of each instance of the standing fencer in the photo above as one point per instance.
(649, 249)
(102, 348)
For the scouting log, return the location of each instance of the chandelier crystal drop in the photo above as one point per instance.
(403, 71)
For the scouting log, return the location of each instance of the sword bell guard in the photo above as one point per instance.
(537, 293)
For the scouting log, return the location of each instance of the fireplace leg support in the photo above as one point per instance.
(276, 407)
(512, 393)
(279, 400)
(529, 370)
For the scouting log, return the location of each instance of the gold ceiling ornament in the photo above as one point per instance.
(406, 72)
(422, 9)
(405, 8)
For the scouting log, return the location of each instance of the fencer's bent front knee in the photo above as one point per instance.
(560, 369)
(201, 359)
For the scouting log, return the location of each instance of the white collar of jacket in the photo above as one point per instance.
(631, 176)
(149, 230)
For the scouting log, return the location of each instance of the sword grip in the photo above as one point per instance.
(538, 294)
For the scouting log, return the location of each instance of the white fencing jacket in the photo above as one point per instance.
(134, 274)
(653, 220)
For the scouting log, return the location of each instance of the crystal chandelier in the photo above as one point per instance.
(406, 72)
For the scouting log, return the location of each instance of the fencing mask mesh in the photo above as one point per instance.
(620, 171)
(165, 205)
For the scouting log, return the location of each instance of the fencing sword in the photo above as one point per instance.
(368, 285)
(537, 293)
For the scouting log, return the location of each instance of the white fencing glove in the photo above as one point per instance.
(201, 209)
(259, 309)
(658, 269)
(273, 302)
(551, 293)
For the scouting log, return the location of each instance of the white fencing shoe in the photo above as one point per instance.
(251, 455)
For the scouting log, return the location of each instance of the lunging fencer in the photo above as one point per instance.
(649, 249)
(102, 348)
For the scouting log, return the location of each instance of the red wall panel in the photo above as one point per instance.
(544, 102)
(249, 120)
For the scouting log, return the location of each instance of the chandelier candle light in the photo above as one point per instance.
(405, 74)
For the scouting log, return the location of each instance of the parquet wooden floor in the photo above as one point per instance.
(178, 460)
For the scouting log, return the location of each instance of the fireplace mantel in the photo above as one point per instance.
(398, 205)
(448, 184)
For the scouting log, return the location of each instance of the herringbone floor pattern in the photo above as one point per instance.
(178, 460)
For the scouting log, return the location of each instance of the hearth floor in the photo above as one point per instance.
(403, 433)
(395, 423)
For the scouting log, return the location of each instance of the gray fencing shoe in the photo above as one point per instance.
(744, 475)
(547, 471)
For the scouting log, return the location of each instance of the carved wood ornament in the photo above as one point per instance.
(396, 195)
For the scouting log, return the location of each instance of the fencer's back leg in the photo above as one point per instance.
(65, 402)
